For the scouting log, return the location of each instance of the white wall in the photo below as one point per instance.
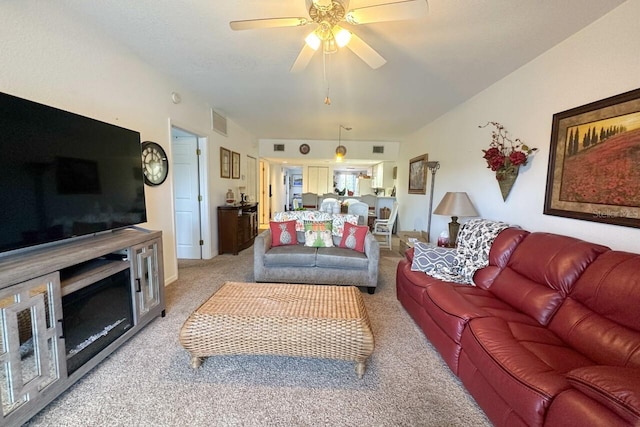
(53, 59)
(237, 140)
(600, 61)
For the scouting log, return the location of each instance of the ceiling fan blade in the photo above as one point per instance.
(251, 24)
(303, 59)
(395, 11)
(366, 52)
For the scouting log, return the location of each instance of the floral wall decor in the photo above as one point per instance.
(505, 156)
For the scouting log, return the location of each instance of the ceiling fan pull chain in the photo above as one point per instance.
(327, 100)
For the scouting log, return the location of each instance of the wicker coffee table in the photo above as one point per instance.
(281, 319)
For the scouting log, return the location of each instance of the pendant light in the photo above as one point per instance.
(341, 150)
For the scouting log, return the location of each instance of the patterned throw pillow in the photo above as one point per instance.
(353, 236)
(283, 233)
(317, 234)
(428, 258)
(339, 221)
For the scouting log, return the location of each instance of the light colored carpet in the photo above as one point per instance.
(148, 381)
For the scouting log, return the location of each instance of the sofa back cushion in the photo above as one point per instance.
(600, 317)
(542, 271)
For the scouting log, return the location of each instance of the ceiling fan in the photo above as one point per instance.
(330, 36)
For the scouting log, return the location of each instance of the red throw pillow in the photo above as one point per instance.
(283, 233)
(353, 236)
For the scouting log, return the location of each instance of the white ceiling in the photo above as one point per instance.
(433, 63)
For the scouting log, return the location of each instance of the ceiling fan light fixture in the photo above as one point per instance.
(329, 46)
(313, 41)
(324, 30)
(342, 36)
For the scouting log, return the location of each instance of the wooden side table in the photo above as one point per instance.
(405, 243)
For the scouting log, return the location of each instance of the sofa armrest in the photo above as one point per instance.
(261, 246)
(372, 251)
(615, 387)
(409, 254)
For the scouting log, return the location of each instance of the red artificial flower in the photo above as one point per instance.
(496, 162)
(518, 158)
(491, 153)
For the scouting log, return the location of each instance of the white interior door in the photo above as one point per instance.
(252, 180)
(187, 194)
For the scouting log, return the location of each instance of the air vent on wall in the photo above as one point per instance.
(378, 149)
(218, 122)
(278, 147)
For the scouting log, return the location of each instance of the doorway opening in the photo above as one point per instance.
(293, 187)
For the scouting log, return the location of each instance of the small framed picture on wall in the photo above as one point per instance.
(418, 175)
(225, 163)
(235, 165)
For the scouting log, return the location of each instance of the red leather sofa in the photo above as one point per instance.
(549, 336)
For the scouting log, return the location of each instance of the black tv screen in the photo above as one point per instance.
(63, 175)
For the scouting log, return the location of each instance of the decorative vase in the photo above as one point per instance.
(230, 197)
(506, 178)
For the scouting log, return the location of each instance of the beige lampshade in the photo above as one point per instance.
(456, 204)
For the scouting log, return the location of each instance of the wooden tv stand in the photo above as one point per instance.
(33, 283)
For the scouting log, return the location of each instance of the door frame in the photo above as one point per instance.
(264, 207)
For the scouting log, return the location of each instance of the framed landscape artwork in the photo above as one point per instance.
(225, 163)
(235, 165)
(418, 175)
(594, 159)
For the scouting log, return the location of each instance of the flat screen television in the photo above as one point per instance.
(63, 175)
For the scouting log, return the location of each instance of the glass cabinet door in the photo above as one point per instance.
(32, 353)
(147, 286)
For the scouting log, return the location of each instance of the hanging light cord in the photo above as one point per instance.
(327, 100)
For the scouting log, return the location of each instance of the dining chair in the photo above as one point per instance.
(384, 227)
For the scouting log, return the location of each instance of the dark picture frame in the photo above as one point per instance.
(418, 175)
(225, 163)
(593, 170)
(235, 165)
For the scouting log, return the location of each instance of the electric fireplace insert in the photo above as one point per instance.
(95, 316)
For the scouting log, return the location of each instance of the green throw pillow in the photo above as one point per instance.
(318, 234)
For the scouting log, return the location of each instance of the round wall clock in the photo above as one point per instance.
(304, 148)
(155, 165)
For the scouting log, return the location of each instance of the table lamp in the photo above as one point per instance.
(455, 204)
